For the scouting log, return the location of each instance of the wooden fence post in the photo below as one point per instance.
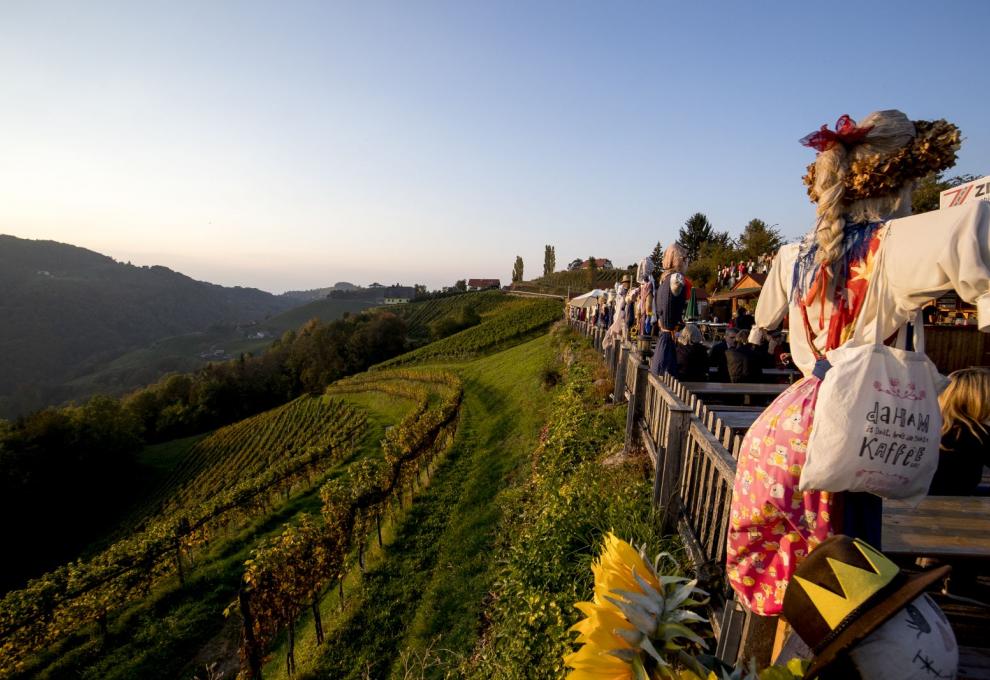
(666, 492)
(250, 644)
(620, 374)
(636, 389)
(757, 639)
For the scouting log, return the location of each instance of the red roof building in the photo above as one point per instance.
(481, 284)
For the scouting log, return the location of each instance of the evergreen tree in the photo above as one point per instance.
(517, 270)
(656, 257)
(549, 260)
(696, 230)
(759, 239)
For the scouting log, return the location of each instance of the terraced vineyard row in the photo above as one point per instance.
(257, 443)
(521, 319)
(289, 573)
(250, 485)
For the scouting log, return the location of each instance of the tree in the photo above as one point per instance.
(716, 253)
(461, 285)
(517, 270)
(656, 257)
(592, 269)
(926, 193)
(696, 230)
(420, 290)
(549, 260)
(759, 239)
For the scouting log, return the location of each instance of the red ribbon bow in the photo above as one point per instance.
(846, 133)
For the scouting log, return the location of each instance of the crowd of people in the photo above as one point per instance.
(730, 274)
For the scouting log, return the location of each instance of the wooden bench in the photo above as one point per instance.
(707, 391)
(941, 526)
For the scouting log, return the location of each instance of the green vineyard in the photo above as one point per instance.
(419, 315)
(239, 472)
(253, 445)
(290, 573)
(519, 320)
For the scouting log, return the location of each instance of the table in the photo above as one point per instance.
(737, 420)
(745, 390)
(788, 373)
(763, 389)
(941, 526)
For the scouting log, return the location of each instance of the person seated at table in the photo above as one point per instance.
(692, 355)
(744, 320)
(777, 346)
(965, 445)
(741, 363)
(716, 355)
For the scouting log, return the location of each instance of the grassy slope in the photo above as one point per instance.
(429, 590)
(418, 315)
(157, 638)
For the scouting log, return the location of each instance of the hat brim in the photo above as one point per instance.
(874, 617)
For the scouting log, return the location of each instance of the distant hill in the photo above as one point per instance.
(186, 353)
(67, 311)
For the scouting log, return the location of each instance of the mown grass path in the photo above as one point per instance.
(424, 599)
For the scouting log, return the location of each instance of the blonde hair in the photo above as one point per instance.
(966, 401)
(690, 334)
(891, 131)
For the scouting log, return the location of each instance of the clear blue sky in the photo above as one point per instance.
(290, 145)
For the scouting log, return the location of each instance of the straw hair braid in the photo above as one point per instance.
(831, 169)
(890, 131)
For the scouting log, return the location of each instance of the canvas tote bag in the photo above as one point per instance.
(877, 424)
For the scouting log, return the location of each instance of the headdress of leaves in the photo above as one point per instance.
(933, 149)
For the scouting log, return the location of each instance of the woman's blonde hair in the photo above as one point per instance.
(966, 401)
(690, 334)
(890, 131)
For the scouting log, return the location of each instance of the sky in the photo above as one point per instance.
(290, 145)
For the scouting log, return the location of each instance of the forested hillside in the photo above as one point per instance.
(66, 310)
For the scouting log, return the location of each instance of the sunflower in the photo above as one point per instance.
(638, 621)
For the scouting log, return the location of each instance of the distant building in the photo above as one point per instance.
(600, 263)
(483, 284)
(397, 295)
(376, 285)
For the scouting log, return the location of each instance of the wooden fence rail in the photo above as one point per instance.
(694, 466)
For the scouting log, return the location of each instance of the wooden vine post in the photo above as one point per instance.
(251, 651)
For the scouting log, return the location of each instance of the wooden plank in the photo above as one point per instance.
(978, 506)
(649, 445)
(714, 450)
(736, 419)
(673, 455)
(939, 526)
(732, 389)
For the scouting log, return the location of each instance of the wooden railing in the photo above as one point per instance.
(694, 467)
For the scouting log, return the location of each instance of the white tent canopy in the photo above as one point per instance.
(589, 299)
